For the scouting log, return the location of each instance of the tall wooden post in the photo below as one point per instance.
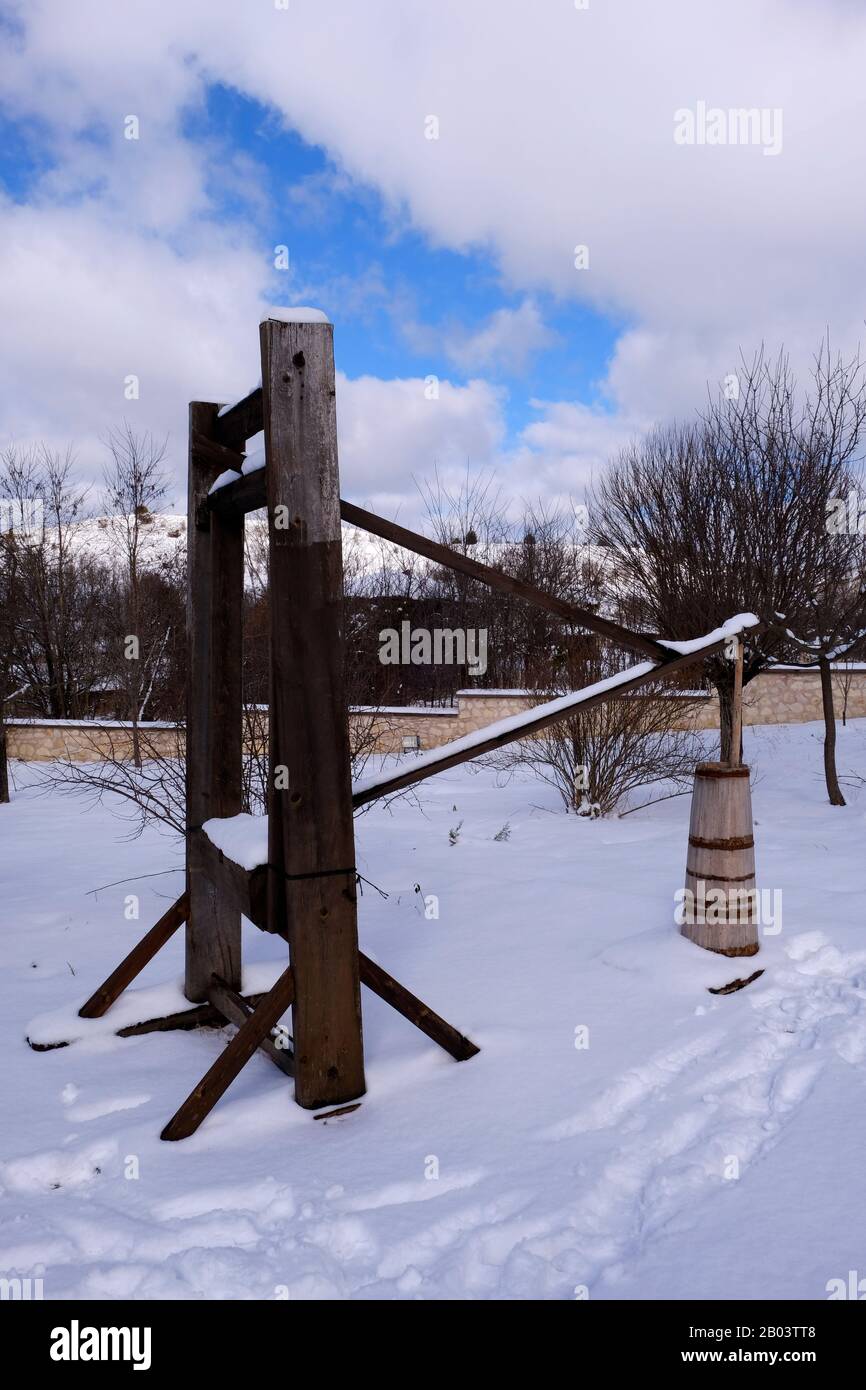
(213, 716)
(737, 706)
(311, 835)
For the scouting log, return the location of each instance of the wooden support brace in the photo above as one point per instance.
(201, 1016)
(219, 1077)
(236, 1010)
(417, 1012)
(103, 998)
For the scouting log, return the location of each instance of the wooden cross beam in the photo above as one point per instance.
(248, 494)
(235, 1009)
(102, 999)
(475, 746)
(216, 1080)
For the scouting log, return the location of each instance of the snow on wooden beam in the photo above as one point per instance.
(243, 839)
(552, 712)
(237, 423)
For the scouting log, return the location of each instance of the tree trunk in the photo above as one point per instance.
(4, 765)
(833, 789)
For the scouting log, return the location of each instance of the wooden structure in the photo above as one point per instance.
(721, 909)
(721, 905)
(306, 892)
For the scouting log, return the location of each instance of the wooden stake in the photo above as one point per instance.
(311, 834)
(219, 1077)
(102, 999)
(737, 706)
(235, 1009)
(417, 1012)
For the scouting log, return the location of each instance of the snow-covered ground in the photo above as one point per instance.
(539, 1169)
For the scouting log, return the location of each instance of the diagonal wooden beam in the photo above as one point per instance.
(413, 1008)
(553, 712)
(103, 998)
(248, 494)
(497, 579)
(238, 423)
(202, 1099)
(235, 1009)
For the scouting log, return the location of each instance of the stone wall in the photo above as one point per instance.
(781, 696)
(52, 740)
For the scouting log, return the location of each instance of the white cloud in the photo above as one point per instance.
(556, 128)
(506, 341)
(560, 452)
(391, 433)
(89, 304)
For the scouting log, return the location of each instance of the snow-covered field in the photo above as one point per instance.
(539, 1169)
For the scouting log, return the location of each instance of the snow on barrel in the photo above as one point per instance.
(720, 904)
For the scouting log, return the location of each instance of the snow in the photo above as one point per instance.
(229, 476)
(558, 1167)
(511, 724)
(741, 623)
(242, 838)
(299, 314)
(224, 409)
(95, 724)
(250, 465)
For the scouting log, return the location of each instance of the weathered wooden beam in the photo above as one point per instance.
(244, 889)
(409, 774)
(311, 848)
(241, 497)
(201, 1016)
(737, 706)
(213, 720)
(102, 999)
(184, 1020)
(248, 493)
(215, 453)
(219, 1077)
(417, 1012)
(236, 1010)
(497, 579)
(241, 421)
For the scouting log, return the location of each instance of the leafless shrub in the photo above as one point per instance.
(597, 758)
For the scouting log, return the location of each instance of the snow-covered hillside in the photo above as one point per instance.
(539, 1169)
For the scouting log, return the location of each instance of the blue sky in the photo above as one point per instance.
(340, 234)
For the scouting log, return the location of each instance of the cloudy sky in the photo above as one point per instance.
(308, 124)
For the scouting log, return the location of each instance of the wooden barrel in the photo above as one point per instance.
(720, 908)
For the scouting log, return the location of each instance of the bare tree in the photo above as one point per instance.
(135, 484)
(727, 514)
(55, 593)
(596, 759)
